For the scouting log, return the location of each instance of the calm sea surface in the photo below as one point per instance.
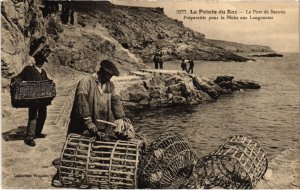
(271, 115)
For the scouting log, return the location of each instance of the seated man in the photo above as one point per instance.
(96, 100)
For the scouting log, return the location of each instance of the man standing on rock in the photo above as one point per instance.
(191, 68)
(184, 64)
(36, 115)
(96, 103)
(158, 60)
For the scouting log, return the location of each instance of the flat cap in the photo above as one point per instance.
(110, 67)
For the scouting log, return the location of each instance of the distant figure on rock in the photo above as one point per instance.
(191, 68)
(184, 65)
(158, 60)
(96, 103)
(36, 115)
(67, 13)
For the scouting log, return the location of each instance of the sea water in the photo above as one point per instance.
(270, 115)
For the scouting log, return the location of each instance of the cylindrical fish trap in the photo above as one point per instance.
(238, 164)
(167, 162)
(105, 164)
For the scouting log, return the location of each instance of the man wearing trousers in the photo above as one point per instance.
(36, 115)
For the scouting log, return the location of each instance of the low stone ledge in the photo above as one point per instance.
(160, 88)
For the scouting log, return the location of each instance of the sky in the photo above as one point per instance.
(281, 33)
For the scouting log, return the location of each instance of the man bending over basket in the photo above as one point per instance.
(96, 105)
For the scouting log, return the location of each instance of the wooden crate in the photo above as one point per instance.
(167, 162)
(104, 164)
(237, 164)
(32, 93)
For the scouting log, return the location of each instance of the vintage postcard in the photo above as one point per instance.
(173, 94)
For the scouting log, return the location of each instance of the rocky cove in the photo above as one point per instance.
(91, 35)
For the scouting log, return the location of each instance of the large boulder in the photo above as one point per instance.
(223, 78)
(212, 89)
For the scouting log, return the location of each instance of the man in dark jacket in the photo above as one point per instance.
(158, 60)
(36, 115)
(96, 100)
(184, 64)
(191, 68)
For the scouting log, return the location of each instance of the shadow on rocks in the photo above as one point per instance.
(15, 134)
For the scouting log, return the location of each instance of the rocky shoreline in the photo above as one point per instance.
(268, 55)
(158, 88)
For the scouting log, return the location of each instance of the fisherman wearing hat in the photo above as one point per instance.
(36, 115)
(96, 100)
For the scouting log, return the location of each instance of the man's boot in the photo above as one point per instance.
(29, 142)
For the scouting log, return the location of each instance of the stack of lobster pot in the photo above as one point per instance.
(98, 163)
(167, 162)
(238, 164)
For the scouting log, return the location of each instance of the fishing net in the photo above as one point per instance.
(167, 162)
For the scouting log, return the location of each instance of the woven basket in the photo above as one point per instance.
(104, 164)
(238, 164)
(167, 162)
(32, 93)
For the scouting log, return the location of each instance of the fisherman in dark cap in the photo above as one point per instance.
(36, 115)
(96, 100)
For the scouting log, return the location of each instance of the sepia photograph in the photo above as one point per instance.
(150, 94)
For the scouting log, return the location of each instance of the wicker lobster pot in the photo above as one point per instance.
(104, 164)
(32, 93)
(167, 162)
(238, 164)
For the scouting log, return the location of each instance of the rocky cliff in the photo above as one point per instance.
(81, 34)
(22, 35)
(143, 31)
